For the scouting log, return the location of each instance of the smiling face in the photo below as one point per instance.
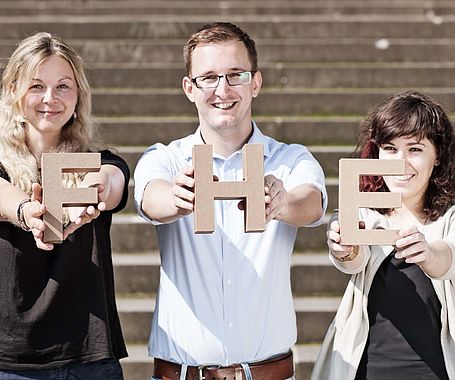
(420, 157)
(225, 108)
(51, 98)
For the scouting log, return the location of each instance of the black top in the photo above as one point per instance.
(405, 326)
(58, 306)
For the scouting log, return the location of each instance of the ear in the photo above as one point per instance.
(188, 88)
(257, 83)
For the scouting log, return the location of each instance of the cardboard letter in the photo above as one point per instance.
(351, 199)
(55, 196)
(206, 190)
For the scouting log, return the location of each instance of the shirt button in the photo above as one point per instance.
(229, 281)
(230, 324)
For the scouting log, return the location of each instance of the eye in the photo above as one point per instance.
(414, 149)
(389, 148)
(36, 86)
(209, 78)
(63, 86)
(234, 75)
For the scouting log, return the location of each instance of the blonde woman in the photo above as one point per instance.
(57, 308)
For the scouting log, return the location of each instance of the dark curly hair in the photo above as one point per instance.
(412, 114)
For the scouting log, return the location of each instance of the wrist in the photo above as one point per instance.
(20, 214)
(349, 257)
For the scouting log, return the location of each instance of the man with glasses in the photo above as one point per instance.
(224, 308)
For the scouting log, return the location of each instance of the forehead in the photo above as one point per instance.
(219, 57)
(54, 67)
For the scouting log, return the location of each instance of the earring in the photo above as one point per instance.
(74, 115)
(22, 119)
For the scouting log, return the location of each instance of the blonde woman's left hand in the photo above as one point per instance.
(82, 215)
(413, 247)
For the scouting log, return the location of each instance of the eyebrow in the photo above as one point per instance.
(228, 71)
(407, 144)
(64, 78)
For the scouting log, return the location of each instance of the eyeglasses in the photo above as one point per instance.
(233, 79)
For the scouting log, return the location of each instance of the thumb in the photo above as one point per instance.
(37, 192)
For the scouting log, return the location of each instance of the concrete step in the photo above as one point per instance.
(311, 274)
(287, 75)
(314, 315)
(277, 26)
(354, 49)
(139, 366)
(327, 156)
(271, 102)
(28, 7)
(290, 75)
(131, 233)
(307, 130)
(331, 185)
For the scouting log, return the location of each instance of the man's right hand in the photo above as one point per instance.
(183, 191)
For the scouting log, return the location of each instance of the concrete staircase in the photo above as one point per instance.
(325, 63)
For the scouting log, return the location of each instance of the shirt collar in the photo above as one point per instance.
(196, 139)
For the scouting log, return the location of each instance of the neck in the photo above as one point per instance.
(227, 142)
(39, 145)
(410, 214)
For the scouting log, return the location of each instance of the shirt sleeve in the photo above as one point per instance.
(306, 170)
(449, 239)
(109, 158)
(155, 163)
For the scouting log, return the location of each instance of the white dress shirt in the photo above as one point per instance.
(225, 297)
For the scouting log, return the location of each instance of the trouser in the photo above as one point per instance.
(106, 369)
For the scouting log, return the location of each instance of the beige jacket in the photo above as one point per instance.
(346, 337)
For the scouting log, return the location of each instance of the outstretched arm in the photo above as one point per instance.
(298, 207)
(165, 201)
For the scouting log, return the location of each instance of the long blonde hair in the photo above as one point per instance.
(77, 134)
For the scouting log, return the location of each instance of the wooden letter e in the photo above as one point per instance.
(55, 197)
(351, 199)
(206, 190)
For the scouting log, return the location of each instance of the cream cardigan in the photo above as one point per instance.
(346, 337)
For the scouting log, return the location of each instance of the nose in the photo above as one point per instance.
(401, 155)
(223, 87)
(49, 96)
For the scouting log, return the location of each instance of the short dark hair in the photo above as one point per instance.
(413, 114)
(219, 32)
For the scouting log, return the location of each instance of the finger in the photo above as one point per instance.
(416, 259)
(102, 206)
(184, 194)
(37, 192)
(334, 236)
(183, 204)
(410, 239)
(188, 171)
(41, 245)
(335, 226)
(69, 230)
(408, 231)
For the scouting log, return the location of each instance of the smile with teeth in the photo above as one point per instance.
(224, 106)
(403, 178)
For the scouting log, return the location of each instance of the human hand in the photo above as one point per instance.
(33, 216)
(276, 198)
(413, 247)
(82, 215)
(183, 191)
(339, 251)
